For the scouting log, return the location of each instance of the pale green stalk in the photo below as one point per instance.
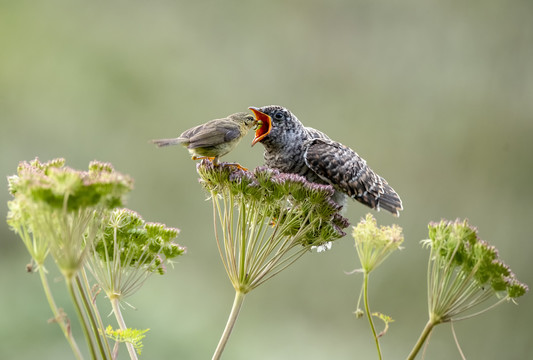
(81, 318)
(422, 339)
(369, 314)
(235, 309)
(58, 317)
(90, 315)
(463, 357)
(115, 303)
(100, 328)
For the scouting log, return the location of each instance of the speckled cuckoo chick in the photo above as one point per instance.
(291, 147)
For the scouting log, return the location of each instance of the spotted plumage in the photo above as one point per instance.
(293, 148)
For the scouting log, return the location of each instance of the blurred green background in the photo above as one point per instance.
(437, 96)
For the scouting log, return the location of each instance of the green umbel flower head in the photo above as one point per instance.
(374, 244)
(129, 250)
(59, 209)
(61, 187)
(464, 271)
(267, 219)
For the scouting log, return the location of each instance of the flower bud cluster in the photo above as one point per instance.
(458, 246)
(272, 193)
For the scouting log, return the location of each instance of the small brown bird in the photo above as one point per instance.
(291, 147)
(215, 138)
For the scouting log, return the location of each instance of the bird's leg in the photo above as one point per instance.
(238, 166)
(202, 157)
(212, 159)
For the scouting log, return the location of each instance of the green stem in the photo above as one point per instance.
(237, 304)
(89, 311)
(97, 315)
(59, 318)
(82, 320)
(118, 315)
(242, 255)
(422, 339)
(369, 315)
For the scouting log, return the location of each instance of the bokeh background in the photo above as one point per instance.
(437, 96)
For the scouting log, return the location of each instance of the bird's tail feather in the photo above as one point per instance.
(390, 201)
(167, 142)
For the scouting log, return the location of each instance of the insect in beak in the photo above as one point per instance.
(263, 127)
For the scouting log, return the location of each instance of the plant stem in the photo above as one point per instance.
(97, 314)
(237, 304)
(118, 315)
(89, 311)
(83, 322)
(59, 318)
(369, 315)
(422, 339)
(463, 357)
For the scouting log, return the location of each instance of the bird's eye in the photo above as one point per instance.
(278, 116)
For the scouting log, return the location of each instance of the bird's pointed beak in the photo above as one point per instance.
(266, 125)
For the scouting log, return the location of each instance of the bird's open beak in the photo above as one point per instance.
(265, 127)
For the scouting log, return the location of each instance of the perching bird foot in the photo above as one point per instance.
(212, 159)
(238, 166)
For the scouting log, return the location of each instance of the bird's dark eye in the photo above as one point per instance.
(278, 116)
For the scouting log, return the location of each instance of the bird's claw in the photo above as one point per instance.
(203, 157)
(238, 166)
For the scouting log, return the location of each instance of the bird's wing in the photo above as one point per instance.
(211, 134)
(341, 167)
